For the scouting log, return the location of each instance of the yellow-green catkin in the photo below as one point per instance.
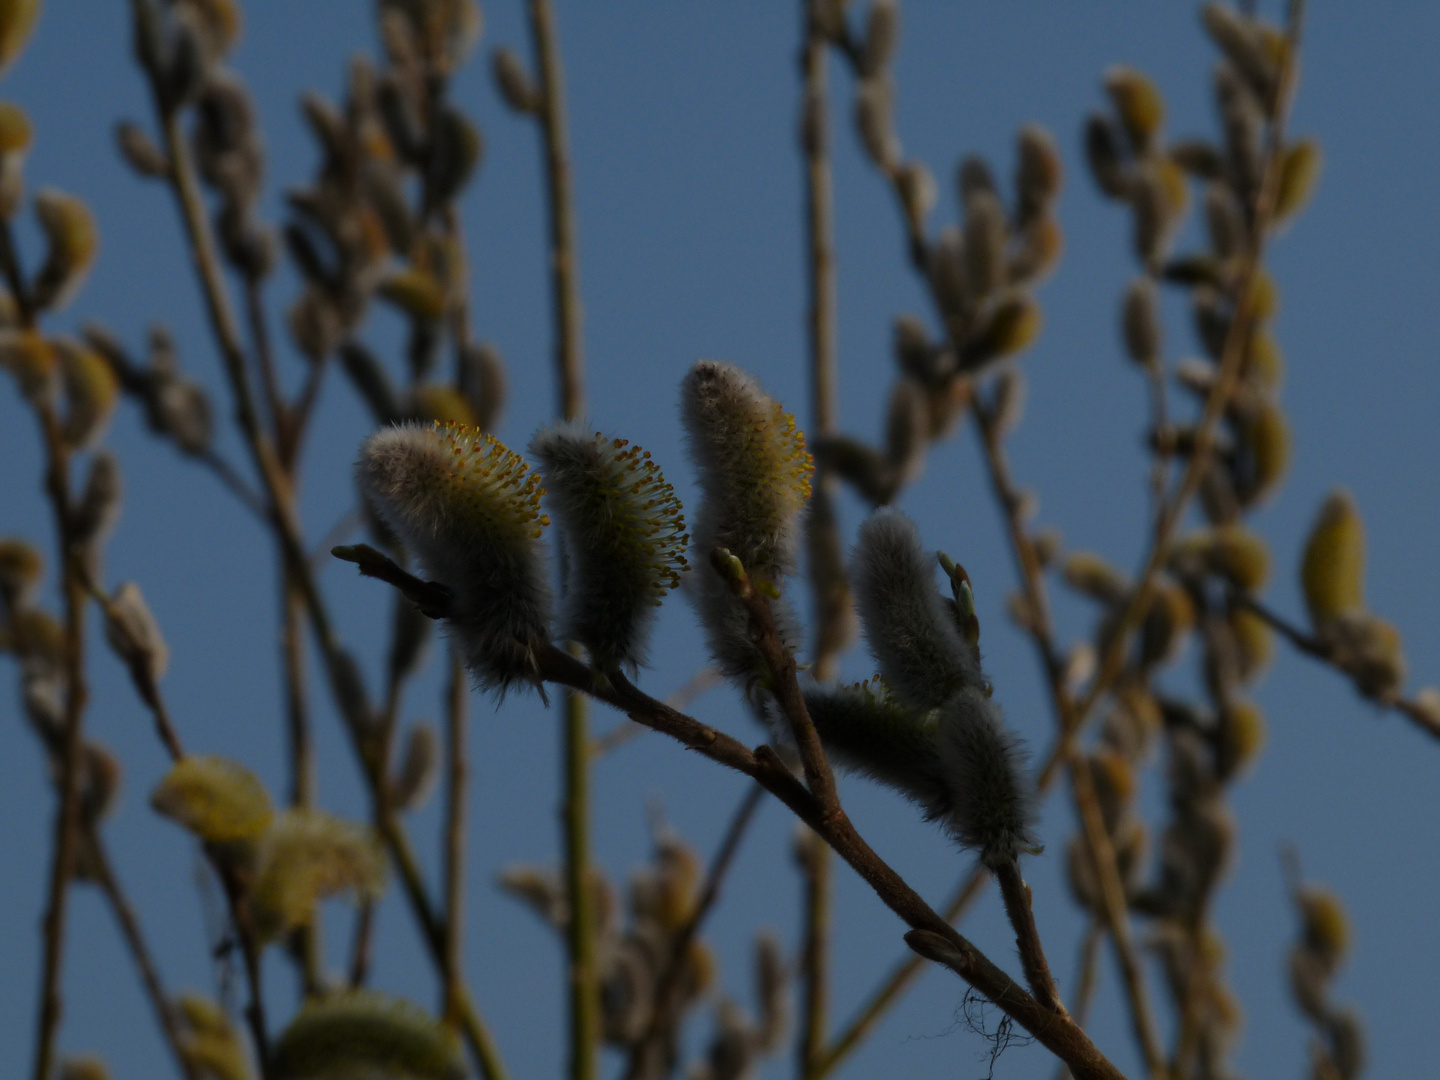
(624, 535)
(362, 1033)
(215, 798)
(754, 474)
(469, 508)
(1332, 571)
(306, 856)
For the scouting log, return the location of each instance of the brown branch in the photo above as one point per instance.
(830, 596)
(1232, 358)
(457, 698)
(627, 730)
(899, 979)
(1057, 1032)
(1018, 907)
(584, 978)
(667, 987)
(1312, 645)
(67, 813)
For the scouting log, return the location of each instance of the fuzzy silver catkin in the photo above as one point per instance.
(754, 475)
(469, 509)
(921, 655)
(753, 468)
(865, 730)
(992, 805)
(624, 537)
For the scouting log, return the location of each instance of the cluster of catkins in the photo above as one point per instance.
(980, 272)
(646, 989)
(469, 509)
(38, 643)
(1338, 1052)
(1132, 162)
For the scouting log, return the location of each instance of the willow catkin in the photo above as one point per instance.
(914, 639)
(469, 508)
(624, 535)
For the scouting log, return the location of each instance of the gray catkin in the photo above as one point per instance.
(922, 657)
(992, 799)
(468, 508)
(623, 533)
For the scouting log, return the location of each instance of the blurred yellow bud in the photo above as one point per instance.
(15, 132)
(1327, 929)
(1138, 104)
(17, 20)
(70, 230)
(1240, 737)
(1089, 573)
(1299, 170)
(1011, 328)
(91, 391)
(416, 292)
(217, 799)
(31, 359)
(1332, 571)
(1254, 643)
(1265, 437)
(444, 404)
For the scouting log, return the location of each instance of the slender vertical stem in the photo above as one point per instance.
(457, 698)
(815, 957)
(1016, 895)
(565, 296)
(564, 284)
(308, 940)
(67, 813)
(828, 586)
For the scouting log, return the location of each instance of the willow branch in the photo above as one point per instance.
(625, 731)
(283, 518)
(1019, 910)
(67, 812)
(456, 700)
(584, 990)
(904, 972)
(1322, 650)
(830, 609)
(1218, 401)
(668, 985)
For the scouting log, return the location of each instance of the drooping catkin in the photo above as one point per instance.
(866, 730)
(993, 801)
(356, 1033)
(217, 799)
(469, 508)
(914, 639)
(305, 856)
(1332, 572)
(624, 535)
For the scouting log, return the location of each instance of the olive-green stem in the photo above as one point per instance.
(457, 698)
(584, 984)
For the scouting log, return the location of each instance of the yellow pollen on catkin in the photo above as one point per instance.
(491, 483)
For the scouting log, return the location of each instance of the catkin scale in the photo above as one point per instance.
(624, 537)
(470, 509)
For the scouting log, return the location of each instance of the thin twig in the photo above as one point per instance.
(668, 985)
(627, 730)
(1086, 980)
(285, 525)
(1424, 718)
(1018, 908)
(67, 812)
(457, 699)
(584, 980)
(820, 266)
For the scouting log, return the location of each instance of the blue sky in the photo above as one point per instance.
(688, 186)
